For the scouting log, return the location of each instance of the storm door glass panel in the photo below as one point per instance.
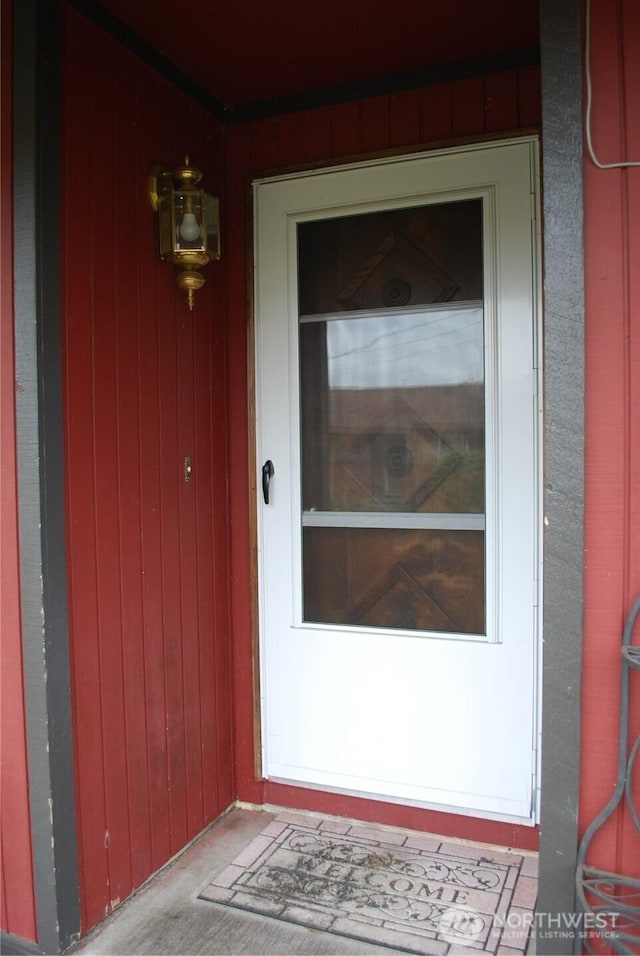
(392, 419)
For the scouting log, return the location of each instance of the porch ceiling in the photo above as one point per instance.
(248, 51)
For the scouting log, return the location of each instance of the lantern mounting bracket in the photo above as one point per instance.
(160, 180)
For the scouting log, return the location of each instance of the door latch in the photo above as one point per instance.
(267, 474)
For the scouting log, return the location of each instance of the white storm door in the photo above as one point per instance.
(397, 424)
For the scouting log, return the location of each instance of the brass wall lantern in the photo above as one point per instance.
(188, 223)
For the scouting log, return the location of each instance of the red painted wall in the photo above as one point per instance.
(462, 110)
(612, 530)
(147, 553)
(16, 875)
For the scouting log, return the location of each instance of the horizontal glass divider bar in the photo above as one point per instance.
(394, 520)
(381, 313)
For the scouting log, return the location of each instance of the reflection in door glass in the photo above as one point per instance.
(421, 349)
(392, 419)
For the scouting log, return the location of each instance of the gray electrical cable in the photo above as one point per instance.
(587, 57)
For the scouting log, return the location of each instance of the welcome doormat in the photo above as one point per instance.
(391, 887)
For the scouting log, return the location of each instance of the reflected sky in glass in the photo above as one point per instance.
(407, 350)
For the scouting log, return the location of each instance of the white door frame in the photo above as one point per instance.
(287, 489)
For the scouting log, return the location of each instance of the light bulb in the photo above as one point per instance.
(189, 228)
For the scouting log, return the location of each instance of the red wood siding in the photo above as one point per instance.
(16, 876)
(612, 529)
(147, 552)
(465, 109)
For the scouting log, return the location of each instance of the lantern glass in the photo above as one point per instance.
(165, 224)
(212, 225)
(188, 211)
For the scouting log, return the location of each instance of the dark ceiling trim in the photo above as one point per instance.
(385, 85)
(132, 41)
(314, 99)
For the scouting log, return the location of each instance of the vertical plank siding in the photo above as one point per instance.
(463, 110)
(144, 386)
(17, 912)
(612, 522)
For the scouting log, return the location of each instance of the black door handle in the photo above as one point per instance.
(267, 474)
